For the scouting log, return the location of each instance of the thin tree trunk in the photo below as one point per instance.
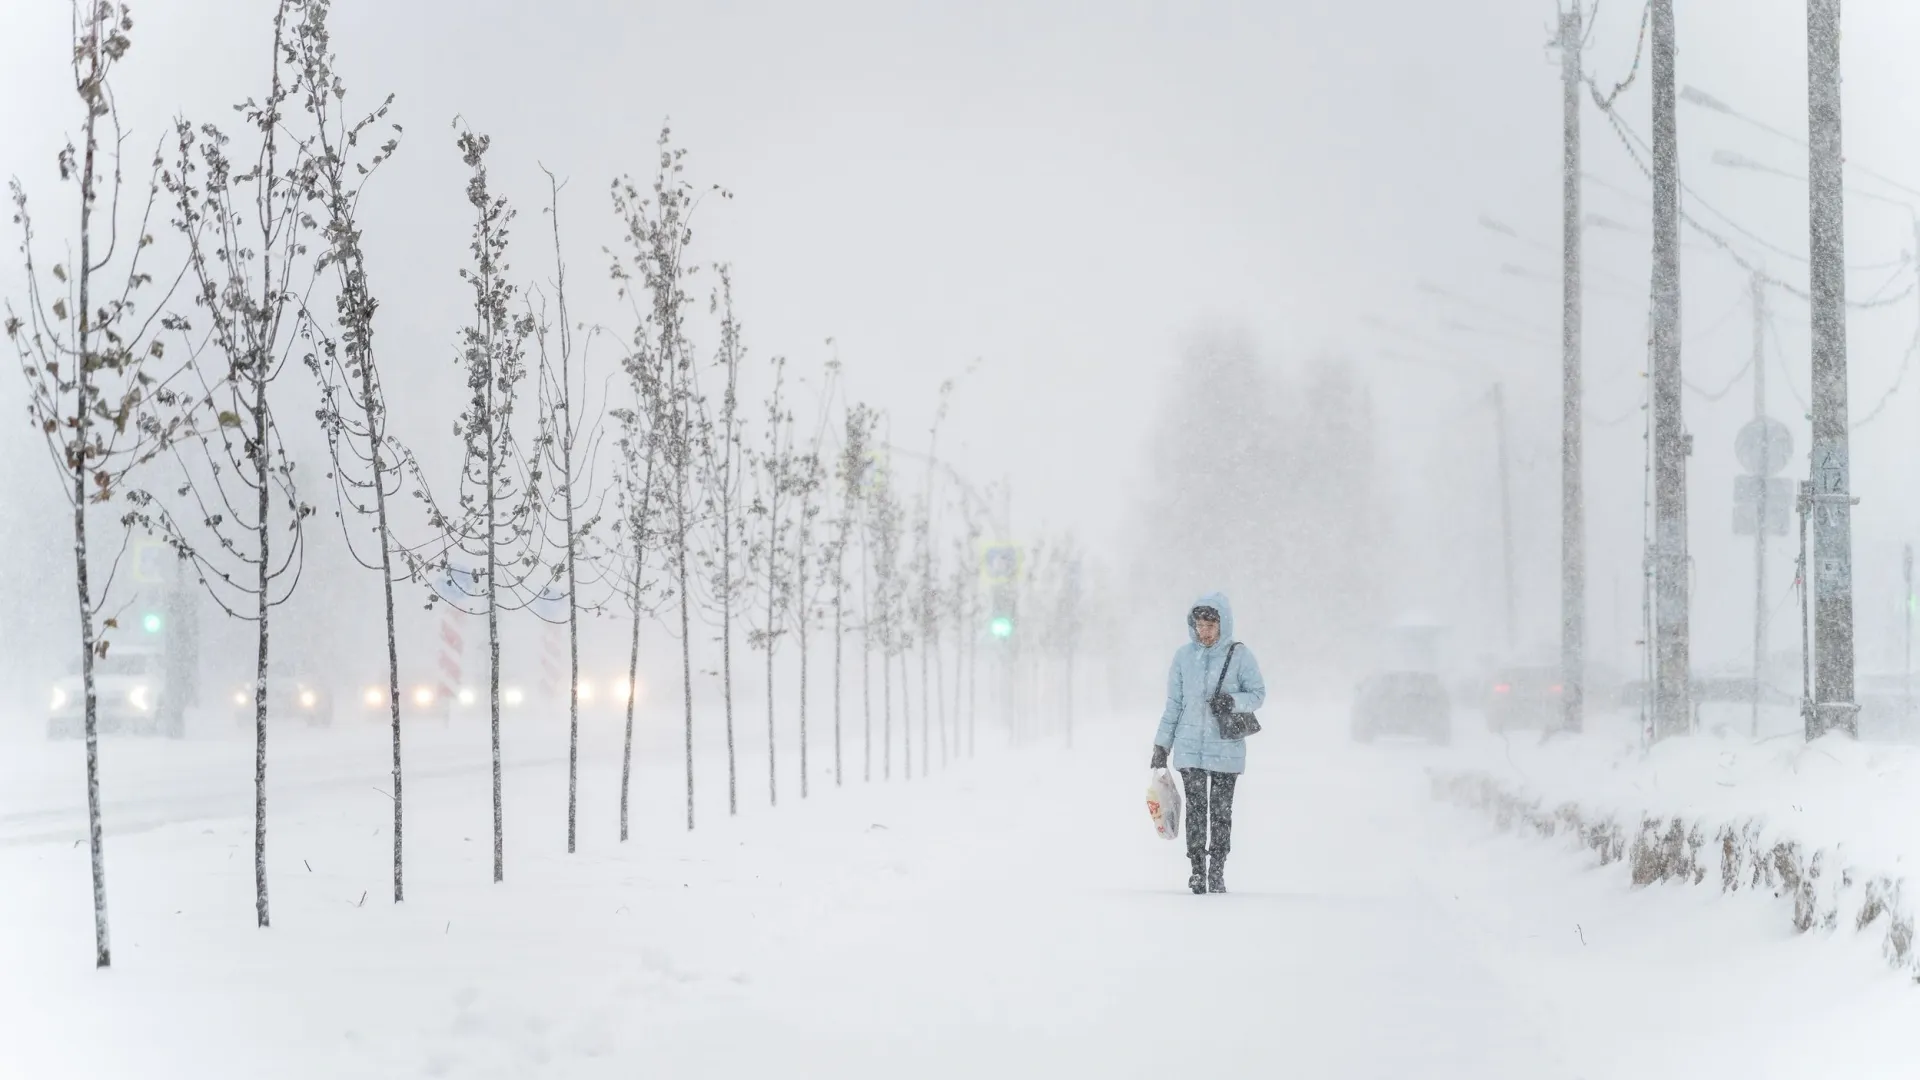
(773, 538)
(926, 712)
(83, 412)
(102, 953)
(573, 678)
(866, 667)
(263, 484)
(802, 631)
(633, 693)
(493, 638)
(633, 654)
(839, 600)
(686, 634)
(940, 699)
(886, 709)
(973, 685)
(726, 635)
(393, 642)
(906, 717)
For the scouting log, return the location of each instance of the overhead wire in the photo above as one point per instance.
(1628, 139)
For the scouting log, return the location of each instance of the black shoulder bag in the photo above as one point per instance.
(1233, 725)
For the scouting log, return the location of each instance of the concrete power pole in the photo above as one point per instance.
(1506, 512)
(1673, 692)
(1833, 704)
(1761, 518)
(1573, 524)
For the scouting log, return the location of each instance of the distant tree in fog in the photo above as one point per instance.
(1263, 485)
(722, 467)
(87, 332)
(852, 471)
(769, 559)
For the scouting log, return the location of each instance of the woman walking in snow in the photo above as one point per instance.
(1212, 678)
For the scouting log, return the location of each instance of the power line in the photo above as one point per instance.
(1738, 377)
(1628, 140)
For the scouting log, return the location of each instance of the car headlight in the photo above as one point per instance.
(373, 697)
(467, 696)
(512, 695)
(59, 698)
(308, 699)
(239, 697)
(138, 698)
(423, 696)
(586, 690)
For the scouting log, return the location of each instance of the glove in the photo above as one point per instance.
(1159, 758)
(1221, 704)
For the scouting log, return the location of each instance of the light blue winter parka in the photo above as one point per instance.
(1187, 726)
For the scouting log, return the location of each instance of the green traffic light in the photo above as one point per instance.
(1001, 627)
(151, 622)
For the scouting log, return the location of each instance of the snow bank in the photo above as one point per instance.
(1825, 826)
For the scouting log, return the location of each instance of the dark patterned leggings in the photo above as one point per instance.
(1209, 807)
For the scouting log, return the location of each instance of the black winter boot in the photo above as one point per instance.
(1216, 874)
(1197, 881)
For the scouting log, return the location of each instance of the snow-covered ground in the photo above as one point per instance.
(1013, 916)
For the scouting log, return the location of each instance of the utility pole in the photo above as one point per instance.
(1573, 524)
(1906, 564)
(1673, 691)
(1506, 510)
(1761, 519)
(1833, 704)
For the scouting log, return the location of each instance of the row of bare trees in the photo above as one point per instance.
(643, 487)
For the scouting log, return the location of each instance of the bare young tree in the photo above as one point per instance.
(499, 480)
(884, 526)
(722, 460)
(244, 218)
(574, 502)
(659, 231)
(367, 467)
(636, 508)
(87, 346)
(808, 477)
(767, 554)
(850, 472)
(927, 603)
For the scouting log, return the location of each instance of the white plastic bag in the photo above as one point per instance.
(1163, 803)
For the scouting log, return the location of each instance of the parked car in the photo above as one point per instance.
(130, 687)
(1402, 703)
(1525, 697)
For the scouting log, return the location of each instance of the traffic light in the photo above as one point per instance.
(1000, 613)
(151, 622)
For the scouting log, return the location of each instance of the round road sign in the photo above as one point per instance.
(1763, 446)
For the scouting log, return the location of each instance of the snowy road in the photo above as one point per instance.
(1014, 917)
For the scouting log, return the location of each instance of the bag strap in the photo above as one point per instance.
(1222, 684)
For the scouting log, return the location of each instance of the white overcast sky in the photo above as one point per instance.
(1062, 190)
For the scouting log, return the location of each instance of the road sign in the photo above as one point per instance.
(151, 561)
(551, 604)
(457, 585)
(1763, 446)
(1000, 563)
(1747, 493)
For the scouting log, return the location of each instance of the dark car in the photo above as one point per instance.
(1525, 697)
(1402, 703)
